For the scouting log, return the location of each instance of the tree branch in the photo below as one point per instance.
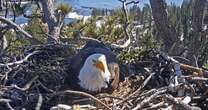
(126, 24)
(83, 94)
(139, 89)
(20, 61)
(28, 36)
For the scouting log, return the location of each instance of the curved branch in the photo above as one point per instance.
(9, 22)
(126, 24)
(83, 94)
(20, 61)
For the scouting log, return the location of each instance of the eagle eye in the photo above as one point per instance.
(99, 65)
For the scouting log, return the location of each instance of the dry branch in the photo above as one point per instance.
(192, 69)
(28, 36)
(126, 24)
(148, 99)
(27, 86)
(83, 94)
(138, 90)
(20, 61)
(180, 104)
(39, 103)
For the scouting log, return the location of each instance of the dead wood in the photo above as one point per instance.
(37, 80)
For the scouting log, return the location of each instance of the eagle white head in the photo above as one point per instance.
(94, 75)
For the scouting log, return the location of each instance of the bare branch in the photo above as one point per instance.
(16, 26)
(40, 101)
(27, 86)
(126, 24)
(148, 99)
(30, 37)
(139, 89)
(83, 94)
(134, 2)
(5, 100)
(20, 61)
(181, 104)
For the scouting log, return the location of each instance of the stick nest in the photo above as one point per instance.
(36, 80)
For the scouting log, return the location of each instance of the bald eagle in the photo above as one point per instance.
(94, 68)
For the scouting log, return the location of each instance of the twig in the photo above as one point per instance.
(196, 61)
(27, 86)
(180, 103)
(147, 100)
(39, 103)
(83, 94)
(5, 100)
(7, 103)
(182, 58)
(196, 78)
(148, 92)
(30, 37)
(126, 24)
(81, 100)
(44, 87)
(87, 107)
(139, 89)
(20, 61)
(5, 77)
(134, 2)
(185, 67)
(110, 96)
(9, 106)
(155, 106)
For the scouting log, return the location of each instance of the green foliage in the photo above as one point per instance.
(146, 14)
(204, 54)
(90, 29)
(15, 42)
(136, 13)
(119, 16)
(186, 14)
(19, 9)
(37, 29)
(148, 43)
(110, 29)
(130, 56)
(72, 30)
(101, 12)
(174, 17)
(206, 65)
(64, 8)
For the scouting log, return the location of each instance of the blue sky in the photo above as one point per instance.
(108, 3)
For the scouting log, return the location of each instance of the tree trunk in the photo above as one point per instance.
(52, 21)
(197, 26)
(165, 31)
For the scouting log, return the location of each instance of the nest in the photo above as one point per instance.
(36, 80)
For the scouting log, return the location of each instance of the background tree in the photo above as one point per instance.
(197, 26)
(53, 19)
(164, 29)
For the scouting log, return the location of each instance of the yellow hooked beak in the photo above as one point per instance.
(99, 65)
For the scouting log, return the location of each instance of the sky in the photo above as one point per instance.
(80, 6)
(108, 3)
